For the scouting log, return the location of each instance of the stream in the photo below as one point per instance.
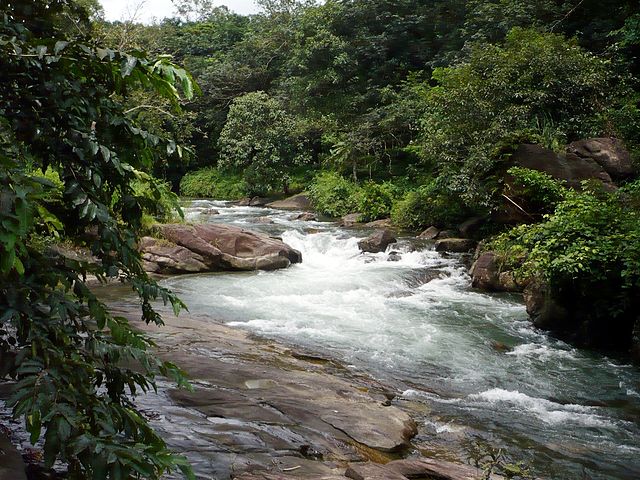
(473, 359)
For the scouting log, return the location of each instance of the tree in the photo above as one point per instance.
(539, 88)
(261, 138)
(77, 367)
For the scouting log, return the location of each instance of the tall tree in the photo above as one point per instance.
(77, 368)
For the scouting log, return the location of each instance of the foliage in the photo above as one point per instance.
(374, 200)
(495, 461)
(537, 190)
(76, 366)
(506, 92)
(426, 206)
(589, 248)
(212, 183)
(261, 138)
(333, 195)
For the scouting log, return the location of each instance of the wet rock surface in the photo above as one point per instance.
(296, 202)
(261, 411)
(377, 242)
(455, 245)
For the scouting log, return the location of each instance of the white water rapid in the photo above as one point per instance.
(472, 359)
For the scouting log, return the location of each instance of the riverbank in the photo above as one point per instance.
(260, 408)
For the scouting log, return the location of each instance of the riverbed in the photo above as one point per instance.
(482, 372)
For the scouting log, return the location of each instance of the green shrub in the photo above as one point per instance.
(538, 191)
(333, 195)
(427, 206)
(589, 248)
(212, 183)
(375, 200)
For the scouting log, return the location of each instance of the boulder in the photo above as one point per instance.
(486, 275)
(571, 168)
(430, 233)
(378, 241)
(470, 227)
(305, 217)
(350, 220)
(609, 153)
(214, 247)
(264, 220)
(448, 234)
(455, 245)
(394, 257)
(544, 310)
(210, 211)
(296, 202)
(259, 202)
(384, 223)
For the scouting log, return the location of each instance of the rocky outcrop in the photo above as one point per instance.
(377, 242)
(254, 202)
(486, 275)
(350, 220)
(430, 233)
(570, 168)
(296, 202)
(305, 217)
(609, 153)
(455, 245)
(384, 223)
(213, 247)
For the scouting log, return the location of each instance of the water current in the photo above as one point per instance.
(472, 359)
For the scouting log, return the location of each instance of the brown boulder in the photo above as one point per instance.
(570, 168)
(455, 245)
(350, 220)
(544, 310)
(378, 241)
(486, 275)
(384, 223)
(305, 217)
(297, 202)
(214, 247)
(430, 233)
(609, 153)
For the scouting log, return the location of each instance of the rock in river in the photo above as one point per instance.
(214, 247)
(378, 241)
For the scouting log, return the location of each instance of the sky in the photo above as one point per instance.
(158, 9)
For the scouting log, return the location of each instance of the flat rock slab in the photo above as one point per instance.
(256, 403)
(372, 471)
(427, 468)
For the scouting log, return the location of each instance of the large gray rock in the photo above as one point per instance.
(430, 233)
(377, 242)
(296, 202)
(571, 168)
(609, 153)
(384, 223)
(214, 247)
(350, 220)
(544, 310)
(455, 245)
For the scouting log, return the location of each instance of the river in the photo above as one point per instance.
(481, 370)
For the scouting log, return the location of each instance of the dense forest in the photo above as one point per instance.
(409, 110)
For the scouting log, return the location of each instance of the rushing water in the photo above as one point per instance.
(472, 358)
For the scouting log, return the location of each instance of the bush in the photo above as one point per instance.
(333, 195)
(539, 192)
(426, 206)
(375, 200)
(589, 249)
(212, 183)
